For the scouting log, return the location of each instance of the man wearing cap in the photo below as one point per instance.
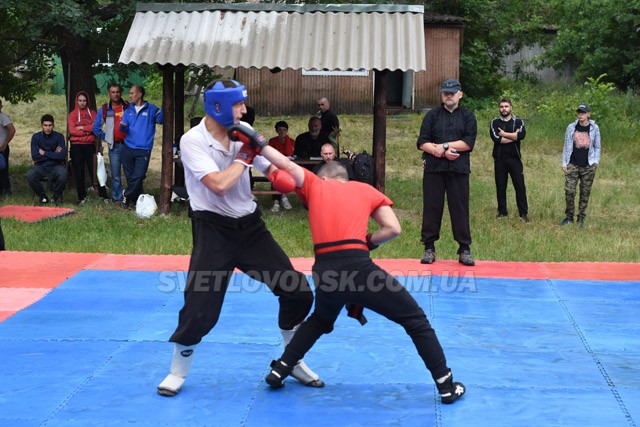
(447, 136)
(228, 233)
(580, 158)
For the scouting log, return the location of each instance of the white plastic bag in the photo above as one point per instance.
(146, 206)
(101, 171)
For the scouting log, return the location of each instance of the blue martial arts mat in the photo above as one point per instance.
(531, 353)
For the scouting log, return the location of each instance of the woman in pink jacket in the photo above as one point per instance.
(83, 145)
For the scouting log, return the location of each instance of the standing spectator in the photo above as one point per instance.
(447, 136)
(580, 158)
(49, 152)
(139, 125)
(110, 115)
(249, 116)
(7, 132)
(83, 144)
(328, 154)
(506, 132)
(228, 232)
(284, 144)
(308, 144)
(330, 123)
(329, 120)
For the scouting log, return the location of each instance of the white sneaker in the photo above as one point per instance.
(286, 203)
(276, 207)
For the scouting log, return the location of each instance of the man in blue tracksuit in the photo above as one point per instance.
(139, 125)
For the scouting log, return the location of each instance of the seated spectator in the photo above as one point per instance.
(284, 144)
(329, 155)
(49, 153)
(308, 144)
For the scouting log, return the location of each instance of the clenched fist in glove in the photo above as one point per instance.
(282, 181)
(247, 136)
(245, 156)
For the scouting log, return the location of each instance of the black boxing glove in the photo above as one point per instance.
(247, 136)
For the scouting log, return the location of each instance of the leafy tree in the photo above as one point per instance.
(599, 36)
(83, 33)
(492, 30)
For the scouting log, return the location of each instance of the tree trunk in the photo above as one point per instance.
(77, 67)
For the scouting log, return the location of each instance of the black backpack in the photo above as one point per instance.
(363, 168)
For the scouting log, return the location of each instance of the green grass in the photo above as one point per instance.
(611, 231)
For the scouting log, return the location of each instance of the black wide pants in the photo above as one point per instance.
(221, 244)
(350, 277)
(456, 187)
(503, 169)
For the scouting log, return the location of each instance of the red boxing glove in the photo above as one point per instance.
(245, 156)
(370, 244)
(282, 181)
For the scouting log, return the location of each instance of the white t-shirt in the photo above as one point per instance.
(4, 122)
(202, 154)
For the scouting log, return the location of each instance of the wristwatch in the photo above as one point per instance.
(445, 146)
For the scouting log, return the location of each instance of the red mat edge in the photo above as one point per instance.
(55, 213)
(603, 271)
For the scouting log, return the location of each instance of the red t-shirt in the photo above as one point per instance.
(339, 210)
(118, 113)
(285, 148)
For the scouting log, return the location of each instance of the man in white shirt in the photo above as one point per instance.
(7, 132)
(228, 233)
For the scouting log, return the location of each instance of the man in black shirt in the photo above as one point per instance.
(328, 118)
(308, 144)
(506, 132)
(447, 136)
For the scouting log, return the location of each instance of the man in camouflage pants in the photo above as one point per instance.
(580, 159)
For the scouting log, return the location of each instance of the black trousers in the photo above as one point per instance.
(221, 244)
(350, 277)
(5, 183)
(82, 159)
(456, 187)
(503, 169)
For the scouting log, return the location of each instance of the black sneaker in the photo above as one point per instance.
(44, 200)
(429, 257)
(524, 217)
(501, 215)
(450, 391)
(566, 221)
(279, 371)
(55, 200)
(465, 258)
(580, 221)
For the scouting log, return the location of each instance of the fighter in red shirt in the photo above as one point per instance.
(343, 273)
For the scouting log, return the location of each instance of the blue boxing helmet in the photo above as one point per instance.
(219, 98)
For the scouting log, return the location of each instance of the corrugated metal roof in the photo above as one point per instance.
(439, 18)
(332, 37)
